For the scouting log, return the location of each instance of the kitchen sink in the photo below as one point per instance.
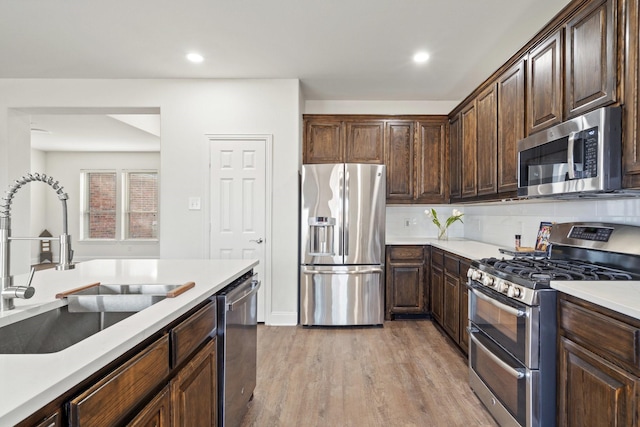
(54, 330)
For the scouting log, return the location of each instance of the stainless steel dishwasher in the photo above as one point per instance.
(237, 344)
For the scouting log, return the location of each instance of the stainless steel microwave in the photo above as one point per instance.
(579, 157)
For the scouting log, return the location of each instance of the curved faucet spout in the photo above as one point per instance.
(66, 253)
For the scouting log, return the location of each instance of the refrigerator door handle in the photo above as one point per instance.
(346, 212)
(363, 271)
(341, 215)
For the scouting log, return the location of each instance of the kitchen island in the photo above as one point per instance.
(31, 381)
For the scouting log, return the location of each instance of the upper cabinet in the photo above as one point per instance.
(455, 150)
(544, 84)
(469, 160)
(510, 124)
(631, 120)
(330, 139)
(487, 151)
(591, 58)
(413, 148)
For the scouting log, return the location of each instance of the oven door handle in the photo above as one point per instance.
(515, 372)
(511, 310)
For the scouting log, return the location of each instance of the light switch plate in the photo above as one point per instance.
(194, 203)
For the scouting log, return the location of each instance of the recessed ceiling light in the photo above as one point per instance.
(195, 57)
(421, 57)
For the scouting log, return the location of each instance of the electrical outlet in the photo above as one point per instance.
(407, 222)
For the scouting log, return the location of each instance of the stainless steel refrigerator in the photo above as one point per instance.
(342, 244)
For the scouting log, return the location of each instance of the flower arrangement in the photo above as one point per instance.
(442, 228)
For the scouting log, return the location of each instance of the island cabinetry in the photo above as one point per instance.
(598, 365)
(406, 282)
(338, 139)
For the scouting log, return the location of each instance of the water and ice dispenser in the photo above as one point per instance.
(321, 236)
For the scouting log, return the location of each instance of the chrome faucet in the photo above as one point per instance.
(9, 292)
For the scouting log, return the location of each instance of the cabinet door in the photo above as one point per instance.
(592, 391)
(323, 141)
(405, 288)
(437, 292)
(400, 160)
(631, 141)
(431, 159)
(469, 163)
(52, 421)
(591, 59)
(487, 144)
(455, 158)
(156, 413)
(544, 84)
(194, 394)
(364, 142)
(510, 125)
(451, 306)
(464, 306)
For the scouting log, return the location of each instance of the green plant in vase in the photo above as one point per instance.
(442, 228)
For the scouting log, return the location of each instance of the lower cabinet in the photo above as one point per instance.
(157, 413)
(449, 295)
(598, 366)
(406, 284)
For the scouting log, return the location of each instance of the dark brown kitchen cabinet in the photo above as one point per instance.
(511, 118)
(487, 144)
(338, 139)
(598, 365)
(400, 141)
(591, 58)
(437, 284)
(52, 421)
(451, 296)
(406, 285)
(194, 390)
(544, 84)
(156, 413)
(464, 306)
(431, 161)
(468, 156)
(631, 111)
(323, 141)
(455, 158)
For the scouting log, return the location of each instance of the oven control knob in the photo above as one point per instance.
(470, 272)
(487, 280)
(504, 287)
(475, 274)
(497, 283)
(515, 292)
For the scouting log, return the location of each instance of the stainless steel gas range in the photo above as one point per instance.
(512, 316)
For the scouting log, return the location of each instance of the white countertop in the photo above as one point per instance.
(470, 249)
(31, 381)
(620, 296)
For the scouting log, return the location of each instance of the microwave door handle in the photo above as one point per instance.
(511, 310)
(570, 160)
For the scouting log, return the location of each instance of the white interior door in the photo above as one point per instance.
(239, 205)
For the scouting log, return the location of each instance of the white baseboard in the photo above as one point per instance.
(282, 318)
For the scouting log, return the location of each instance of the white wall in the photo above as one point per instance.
(189, 110)
(66, 168)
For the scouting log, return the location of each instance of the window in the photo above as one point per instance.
(108, 214)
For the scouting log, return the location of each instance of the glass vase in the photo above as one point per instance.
(442, 233)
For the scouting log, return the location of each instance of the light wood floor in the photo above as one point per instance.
(403, 374)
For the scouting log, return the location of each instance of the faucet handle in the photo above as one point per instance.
(24, 292)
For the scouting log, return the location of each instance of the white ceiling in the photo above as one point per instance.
(339, 49)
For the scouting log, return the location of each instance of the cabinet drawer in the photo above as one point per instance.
(613, 339)
(109, 401)
(437, 257)
(187, 337)
(452, 265)
(398, 253)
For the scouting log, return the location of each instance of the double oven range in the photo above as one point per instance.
(512, 316)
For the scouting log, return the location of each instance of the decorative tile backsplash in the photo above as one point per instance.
(499, 222)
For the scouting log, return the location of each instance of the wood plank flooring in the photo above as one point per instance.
(403, 374)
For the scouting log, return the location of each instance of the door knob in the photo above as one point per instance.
(259, 240)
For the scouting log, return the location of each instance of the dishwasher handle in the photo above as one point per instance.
(252, 289)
